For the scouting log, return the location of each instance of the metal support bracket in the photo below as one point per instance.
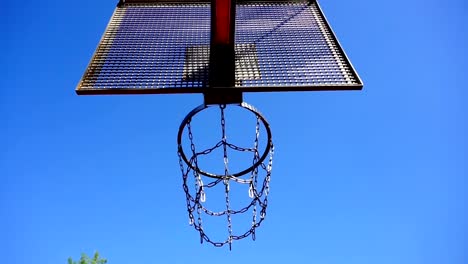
(222, 97)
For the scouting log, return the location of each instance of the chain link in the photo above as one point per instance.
(259, 202)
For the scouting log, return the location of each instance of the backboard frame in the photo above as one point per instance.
(357, 85)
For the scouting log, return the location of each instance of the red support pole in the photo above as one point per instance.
(222, 53)
(222, 23)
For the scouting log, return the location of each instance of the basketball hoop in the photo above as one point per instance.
(196, 195)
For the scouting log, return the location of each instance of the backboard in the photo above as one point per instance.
(163, 47)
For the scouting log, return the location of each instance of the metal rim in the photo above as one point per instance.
(202, 107)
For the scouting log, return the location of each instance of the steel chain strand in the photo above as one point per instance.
(200, 222)
(265, 188)
(269, 168)
(224, 140)
(232, 212)
(192, 199)
(264, 203)
(263, 192)
(260, 193)
(198, 187)
(234, 147)
(226, 174)
(189, 199)
(213, 184)
(207, 239)
(255, 178)
(198, 199)
(185, 187)
(208, 151)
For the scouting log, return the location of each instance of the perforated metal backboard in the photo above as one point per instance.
(157, 47)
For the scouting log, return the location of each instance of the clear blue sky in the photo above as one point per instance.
(377, 176)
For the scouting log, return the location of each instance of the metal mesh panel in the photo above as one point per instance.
(164, 48)
(293, 46)
(145, 46)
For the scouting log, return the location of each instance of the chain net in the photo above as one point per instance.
(196, 184)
